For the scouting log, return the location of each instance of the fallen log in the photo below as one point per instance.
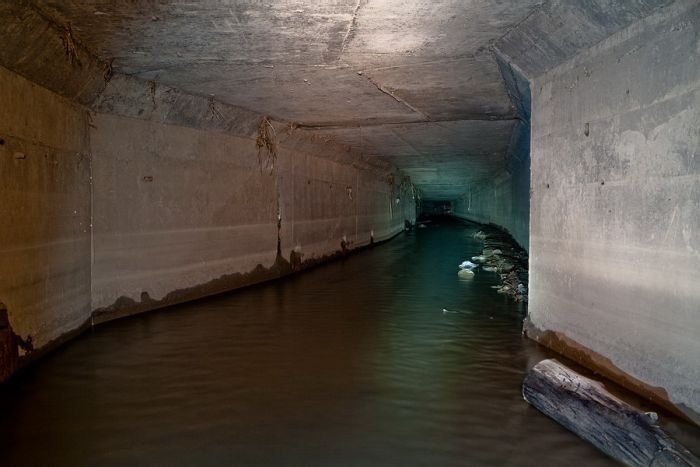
(613, 426)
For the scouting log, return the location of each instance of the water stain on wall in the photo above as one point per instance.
(10, 346)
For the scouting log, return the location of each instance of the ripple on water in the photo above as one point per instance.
(352, 363)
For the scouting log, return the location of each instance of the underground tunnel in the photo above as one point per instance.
(349, 232)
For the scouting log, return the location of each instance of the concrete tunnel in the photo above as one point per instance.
(155, 152)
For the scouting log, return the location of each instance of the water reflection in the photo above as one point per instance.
(353, 363)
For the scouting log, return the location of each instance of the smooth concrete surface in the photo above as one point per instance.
(45, 208)
(503, 199)
(615, 224)
(558, 30)
(443, 159)
(177, 208)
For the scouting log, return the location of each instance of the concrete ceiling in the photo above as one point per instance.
(442, 158)
(409, 80)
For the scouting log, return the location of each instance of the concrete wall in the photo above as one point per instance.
(615, 214)
(45, 208)
(504, 198)
(181, 212)
(148, 199)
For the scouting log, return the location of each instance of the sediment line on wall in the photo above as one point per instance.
(126, 306)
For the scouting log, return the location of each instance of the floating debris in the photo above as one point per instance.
(465, 274)
(445, 311)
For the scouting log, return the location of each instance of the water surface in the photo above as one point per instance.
(354, 363)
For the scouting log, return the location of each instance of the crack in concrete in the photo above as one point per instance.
(358, 124)
(425, 116)
(535, 9)
(457, 58)
(351, 29)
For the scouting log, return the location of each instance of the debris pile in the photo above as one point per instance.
(501, 255)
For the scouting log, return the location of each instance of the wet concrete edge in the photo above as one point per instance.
(125, 306)
(562, 344)
(500, 228)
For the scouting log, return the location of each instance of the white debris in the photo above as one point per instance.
(465, 274)
(468, 265)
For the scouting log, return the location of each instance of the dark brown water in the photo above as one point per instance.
(353, 363)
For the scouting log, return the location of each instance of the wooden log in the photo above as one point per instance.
(613, 426)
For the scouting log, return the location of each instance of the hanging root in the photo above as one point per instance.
(152, 89)
(404, 183)
(70, 47)
(90, 119)
(265, 142)
(214, 113)
(108, 71)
